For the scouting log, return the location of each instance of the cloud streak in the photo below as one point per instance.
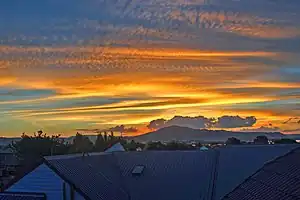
(105, 63)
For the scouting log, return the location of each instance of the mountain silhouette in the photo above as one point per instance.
(188, 134)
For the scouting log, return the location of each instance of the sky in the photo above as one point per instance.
(134, 66)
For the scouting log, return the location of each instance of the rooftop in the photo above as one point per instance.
(161, 175)
(278, 179)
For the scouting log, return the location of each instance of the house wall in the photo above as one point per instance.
(45, 180)
(77, 196)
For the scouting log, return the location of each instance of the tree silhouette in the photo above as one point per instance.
(100, 144)
(285, 141)
(262, 139)
(105, 136)
(156, 146)
(132, 145)
(233, 141)
(81, 144)
(111, 136)
(178, 146)
(39, 145)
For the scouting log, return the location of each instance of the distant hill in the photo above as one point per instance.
(182, 134)
(188, 134)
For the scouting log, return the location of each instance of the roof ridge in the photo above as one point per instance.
(76, 155)
(260, 169)
(257, 145)
(214, 174)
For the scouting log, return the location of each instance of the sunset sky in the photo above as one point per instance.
(90, 65)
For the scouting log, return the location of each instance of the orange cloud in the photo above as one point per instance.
(156, 81)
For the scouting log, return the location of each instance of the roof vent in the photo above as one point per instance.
(138, 170)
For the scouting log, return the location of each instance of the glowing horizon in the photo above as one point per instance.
(140, 61)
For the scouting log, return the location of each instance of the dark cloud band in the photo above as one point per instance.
(204, 122)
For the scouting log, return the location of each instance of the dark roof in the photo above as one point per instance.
(176, 175)
(22, 196)
(236, 163)
(279, 179)
(166, 175)
(95, 176)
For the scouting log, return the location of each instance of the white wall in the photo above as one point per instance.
(44, 180)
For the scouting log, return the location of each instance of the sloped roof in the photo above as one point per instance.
(96, 176)
(236, 163)
(22, 196)
(167, 175)
(115, 148)
(176, 175)
(279, 179)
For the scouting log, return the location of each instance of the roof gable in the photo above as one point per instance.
(115, 148)
(92, 175)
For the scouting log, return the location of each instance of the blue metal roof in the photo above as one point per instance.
(236, 163)
(176, 175)
(21, 196)
(279, 179)
(96, 176)
(168, 175)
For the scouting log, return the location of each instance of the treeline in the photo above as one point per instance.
(35, 147)
(260, 140)
(41, 144)
(172, 146)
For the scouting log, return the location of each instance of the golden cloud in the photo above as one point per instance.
(157, 81)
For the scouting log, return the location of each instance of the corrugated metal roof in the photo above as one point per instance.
(21, 196)
(94, 175)
(279, 179)
(168, 175)
(41, 179)
(175, 175)
(236, 163)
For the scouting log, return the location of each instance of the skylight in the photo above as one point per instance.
(138, 170)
